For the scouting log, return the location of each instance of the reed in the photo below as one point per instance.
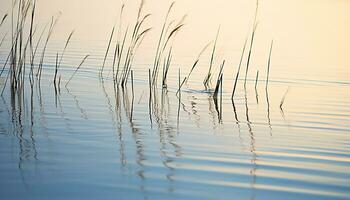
(157, 57)
(256, 87)
(117, 46)
(3, 19)
(218, 87)
(126, 47)
(106, 54)
(165, 45)
(40, 67)
(215, 96)
(58, 63)
(133, 95)
(31, 58)
(208, 76)
(179, 97)
(255, 24)
(197, 60)
(119, 51)
(283, 99)
(64, 49)
(131, 53)
(268, 66)
(3, 68)
(238, 71)
(219, 80)
(256, 80)
(16, 44)
(166, 67)
(150, 95)
(249, 54)
(56, 71)
(17, 55)
(59, 84)
(137, 36)
(180, 86)
(168, 32)
(76, 70)
(40, 38)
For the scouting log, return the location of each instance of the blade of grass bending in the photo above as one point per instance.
(135, 42)
(268, 65)
(117, 47)
(157, 57)
(249, 54)
(77, 69)
(283, 98)
(197, 60)
(171, 35)
(120, 55)
(207, 78)
(255, 24)
(131, 54)
(52, 25)
(182, 83)
(3, 19)
(106, 54)
(239, 69)
(65, 46)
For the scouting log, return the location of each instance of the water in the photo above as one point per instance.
(93, 142)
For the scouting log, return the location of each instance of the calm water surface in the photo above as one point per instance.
(95, 142)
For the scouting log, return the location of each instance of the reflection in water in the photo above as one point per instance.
(253, 160)
(82, 111)
(167, 133)
(194, 111)
(268, 110)
(256, 87)
(212, 111)
(23, 132)
(130, 126)
(235, 111)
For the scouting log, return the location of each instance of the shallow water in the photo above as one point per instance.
(95, 142)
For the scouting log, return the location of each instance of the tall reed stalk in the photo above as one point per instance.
(168, 32)
(255, 24)
(238, 71)
(269, 65)
(208, 76)
(197, 60)
(76, 70)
